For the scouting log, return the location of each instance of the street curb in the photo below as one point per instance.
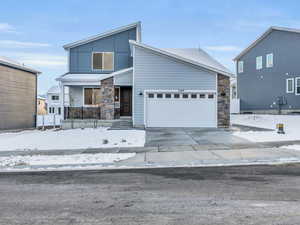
(149, 165)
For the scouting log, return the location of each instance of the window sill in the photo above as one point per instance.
(95, 106)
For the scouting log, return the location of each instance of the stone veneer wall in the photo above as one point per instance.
(107, 99)
(223, 101)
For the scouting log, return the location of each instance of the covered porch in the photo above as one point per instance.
(89, 102)
(97, 96)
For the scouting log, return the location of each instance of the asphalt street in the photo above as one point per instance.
(219, 195)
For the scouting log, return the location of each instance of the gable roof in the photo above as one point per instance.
(11, 63)
(194, 56)
(261, 37)
(41, 97)
(54, 90)
(106, 34)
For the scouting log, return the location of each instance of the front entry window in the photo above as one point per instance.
(91, 96)
(117, 94)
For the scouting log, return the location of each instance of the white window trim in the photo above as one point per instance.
(240, 68)
(83, 103)
(259, 57)
(271, 65)
(287, 85)
(92, 60)
(296, 79)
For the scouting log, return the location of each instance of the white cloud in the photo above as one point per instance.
(39, 60)
(20, 44)
(223, 48)
(5, 27)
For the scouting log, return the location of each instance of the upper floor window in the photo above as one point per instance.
(290, 85)
(269, 60)
(240, 66)
(259, 62)
(55, 97)
(103, 60)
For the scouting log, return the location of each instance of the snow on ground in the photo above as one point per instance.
(291, 127)
(293, 147)
(54, 160)
(71, 139)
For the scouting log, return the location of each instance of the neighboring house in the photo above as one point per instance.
(18, 95)
(113, 75)
(233, 88)
(268, 73)
(41, 105)
(53, 100)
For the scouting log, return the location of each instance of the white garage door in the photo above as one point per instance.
(163, 109)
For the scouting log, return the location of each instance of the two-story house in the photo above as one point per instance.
(114, 75)
(53, 100)
(268, 73)
(18, 95)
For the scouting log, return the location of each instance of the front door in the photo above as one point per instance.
(126, 100)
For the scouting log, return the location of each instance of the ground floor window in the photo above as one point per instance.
(297, 81)
(91, 96)
(51, 110)
(290, 85)
(59, 111)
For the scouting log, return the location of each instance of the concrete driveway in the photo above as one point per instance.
(204, 138)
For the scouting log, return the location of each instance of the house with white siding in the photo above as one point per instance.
(53, 100)
(114, 75)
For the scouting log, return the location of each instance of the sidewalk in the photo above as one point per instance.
(212, 158)
(184, 157)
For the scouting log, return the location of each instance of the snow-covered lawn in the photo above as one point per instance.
(291, 127)
(71, 139)
(54, 160)
(293, 147)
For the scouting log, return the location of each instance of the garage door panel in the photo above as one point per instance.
(181, 112)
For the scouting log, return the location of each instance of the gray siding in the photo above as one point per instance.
(258, 89)
(152, 71)
(81, 56)
(124, 79)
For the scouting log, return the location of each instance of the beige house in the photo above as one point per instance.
(18, 95)
(41, 105)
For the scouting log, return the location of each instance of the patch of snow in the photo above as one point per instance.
(70, 139)
(291, 127)
(293, 147)
(54, 160)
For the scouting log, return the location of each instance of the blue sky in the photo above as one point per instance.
(33, 31)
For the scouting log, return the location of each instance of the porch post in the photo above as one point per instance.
(62, 101)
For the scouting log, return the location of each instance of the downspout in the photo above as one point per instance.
(35, 121)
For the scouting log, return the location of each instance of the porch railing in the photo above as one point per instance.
(82, 113)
